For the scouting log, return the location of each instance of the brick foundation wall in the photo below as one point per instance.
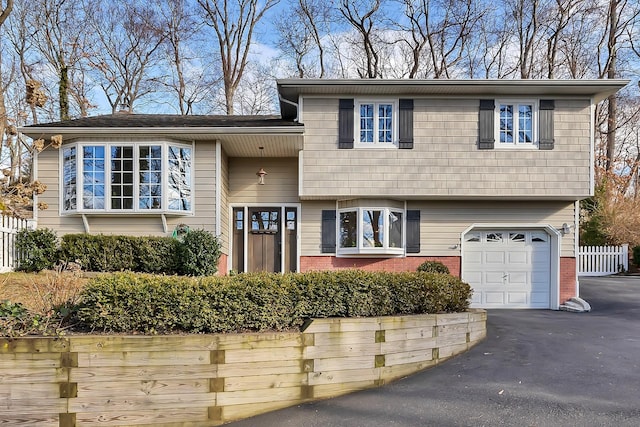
(311, 263)
(567, 278)
(222, 265)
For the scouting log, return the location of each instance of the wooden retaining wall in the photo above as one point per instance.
(206, 380)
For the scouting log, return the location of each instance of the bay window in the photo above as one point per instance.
(367, 230)
(127, 178)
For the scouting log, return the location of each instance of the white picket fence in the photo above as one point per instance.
(602, 260)
(9, 227)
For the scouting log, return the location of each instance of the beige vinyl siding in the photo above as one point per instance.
(441, 223)
(311, 226)
(445, 161)
(281, 182)
(131, 224)
(224, 203)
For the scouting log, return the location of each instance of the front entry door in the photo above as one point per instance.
(265, 239)
(264, 247)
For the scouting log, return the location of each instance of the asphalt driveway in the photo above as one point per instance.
(536, 368)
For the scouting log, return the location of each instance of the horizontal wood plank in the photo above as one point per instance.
(94, 344)
(142, 388)
(415, 356)
(29, 420)
(343, 376)
(344, 338)
(418, 333)
(341, 350)
(142, 373)
(263, 368)
(264, 382)
(134, 403)
(227, 398)
(343, 363)
(143, 358)
(343, 325)
(118, 417)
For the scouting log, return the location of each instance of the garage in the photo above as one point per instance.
(509, 268)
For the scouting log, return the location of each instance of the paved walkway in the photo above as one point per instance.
(536, 368)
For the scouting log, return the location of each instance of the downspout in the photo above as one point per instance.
(286, 101)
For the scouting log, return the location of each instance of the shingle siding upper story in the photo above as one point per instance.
(445, 161)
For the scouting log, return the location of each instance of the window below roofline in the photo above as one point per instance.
(373, 128)
(516, 124)
(151, 177)
(371, 231)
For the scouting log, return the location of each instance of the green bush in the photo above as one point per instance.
(105, 253)
(37, 249)
(433, 267)
(198, 253)
(636, 255)
(129, 302)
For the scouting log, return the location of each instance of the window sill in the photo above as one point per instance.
(375, 146)
(370, 252)
(153, 213)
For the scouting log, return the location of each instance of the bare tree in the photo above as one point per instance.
(5, 9)
(190, 80)
(128, 37)
(300, 35)
(361, 15)
(445, 28)
(62, 46)
(234, 23)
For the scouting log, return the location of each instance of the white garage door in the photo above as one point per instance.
(508, 268)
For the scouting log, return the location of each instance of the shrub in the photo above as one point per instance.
(433, 267)
(198, 253)
(129, 302)
(38, 249)
(636, 255)
(107, 253)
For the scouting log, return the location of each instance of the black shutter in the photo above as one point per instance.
(328, 232)
(486, 124)
(405, 121)
(547, 140)
(345, 124)
(413, 232)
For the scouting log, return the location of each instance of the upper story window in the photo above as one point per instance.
(127, 178)
(371, 231)
(516, 123)
(376, 124)
(382, 123)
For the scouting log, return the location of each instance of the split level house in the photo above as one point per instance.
(483, 175)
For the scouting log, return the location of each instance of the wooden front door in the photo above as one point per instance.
(264, 243)
(265, 239)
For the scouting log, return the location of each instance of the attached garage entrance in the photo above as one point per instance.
(510, 268)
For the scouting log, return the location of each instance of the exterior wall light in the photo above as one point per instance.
(261, 173)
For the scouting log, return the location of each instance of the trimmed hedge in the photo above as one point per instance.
(98, 252)
(196, 254)
(636, 255)
(140, 303)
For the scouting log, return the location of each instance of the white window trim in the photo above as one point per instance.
(360, 249)
(516, 145)
(395, 123)
(136, 179)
